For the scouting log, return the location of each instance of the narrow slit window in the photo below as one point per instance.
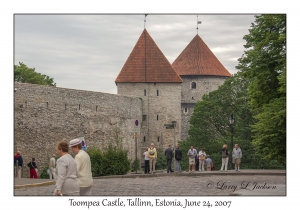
(144, 138)
(158, 139)
(145, 92)
(156, 117)
(157, 92)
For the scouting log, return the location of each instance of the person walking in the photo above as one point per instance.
(236, 157)
(224, 153)
(169, 157)
(18, 164)
(178, 157)
(192, 153)
(208, 163)
(152, 154)
(147, 169)
(84, 168)
(33, 169)
(52, 168)
(202, 156)
(67, 183)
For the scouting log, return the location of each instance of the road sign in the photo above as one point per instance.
(136, 123)
(136, 129)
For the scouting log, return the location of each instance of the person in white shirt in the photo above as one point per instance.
(52, 167)
(84, 168)
(147, 166)
(202, 157)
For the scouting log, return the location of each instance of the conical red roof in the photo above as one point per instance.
(198, 59)
(146, 63)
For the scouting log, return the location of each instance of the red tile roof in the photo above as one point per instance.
(198, 59)
(146, 63)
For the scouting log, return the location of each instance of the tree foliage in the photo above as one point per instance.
(264, 64)
(210, 126)
(24, 74)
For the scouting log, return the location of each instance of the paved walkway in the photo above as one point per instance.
(248, 182)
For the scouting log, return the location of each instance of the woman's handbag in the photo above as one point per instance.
(202, 157)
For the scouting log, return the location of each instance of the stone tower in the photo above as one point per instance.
(148, 75)
(201, 73)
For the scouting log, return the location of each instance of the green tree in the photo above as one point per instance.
(24, 74)
(264, 64)
(210, 121)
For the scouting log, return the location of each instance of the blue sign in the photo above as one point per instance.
(136, 123)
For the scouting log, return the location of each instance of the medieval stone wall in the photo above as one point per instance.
(159, 108)
(44, 116)
(189, 96)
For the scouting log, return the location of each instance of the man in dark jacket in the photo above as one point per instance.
(169, 156)
(178, 156)
(18, 163)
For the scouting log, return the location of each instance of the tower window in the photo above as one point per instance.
(185, 110)
(193, 85)
(144, 117)
(144, 138)
(157, 92)
(145, 92)
(156, 117)
(158, 139)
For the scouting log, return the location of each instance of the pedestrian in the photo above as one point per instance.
(169, 156)
(196, 160)
(178, 157)
(52, 168)
(147, 168)
(202, 156)
(224, 153)
(84, 167)
(208, 163)
(33, 168)
(152, 154)
(66, 172)
(192, 153)
(236, 157)
(18, 164)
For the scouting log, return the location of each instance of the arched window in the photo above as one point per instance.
(193, 85)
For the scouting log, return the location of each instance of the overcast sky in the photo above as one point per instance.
(87, 52)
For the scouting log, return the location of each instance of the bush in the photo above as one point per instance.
(161, 162)
(135, 165)
(112, 160)
(43, 174)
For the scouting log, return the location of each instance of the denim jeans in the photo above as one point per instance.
(177, 164)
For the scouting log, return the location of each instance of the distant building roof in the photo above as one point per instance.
(146, 63)
(198, 59)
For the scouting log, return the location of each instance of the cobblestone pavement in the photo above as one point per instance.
(168, 186)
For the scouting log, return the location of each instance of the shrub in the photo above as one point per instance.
(43, 174)
(161, 162)
(112, 160)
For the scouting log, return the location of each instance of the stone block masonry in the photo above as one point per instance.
(45, 115)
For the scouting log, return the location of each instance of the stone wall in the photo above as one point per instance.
(44, 116)
(189, 96)
(157, 111)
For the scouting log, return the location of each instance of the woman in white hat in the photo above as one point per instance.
(66, 172)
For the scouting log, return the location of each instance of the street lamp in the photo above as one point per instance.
(231, 121)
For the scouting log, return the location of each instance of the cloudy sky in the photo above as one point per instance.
(87, 52)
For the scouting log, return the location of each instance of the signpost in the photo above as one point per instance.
(136, 129)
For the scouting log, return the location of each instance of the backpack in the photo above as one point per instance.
(151, 151)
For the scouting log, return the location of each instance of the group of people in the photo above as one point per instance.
(73, 175)
(18, 164)
(197, 160)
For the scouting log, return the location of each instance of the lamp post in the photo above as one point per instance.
(231, 121)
